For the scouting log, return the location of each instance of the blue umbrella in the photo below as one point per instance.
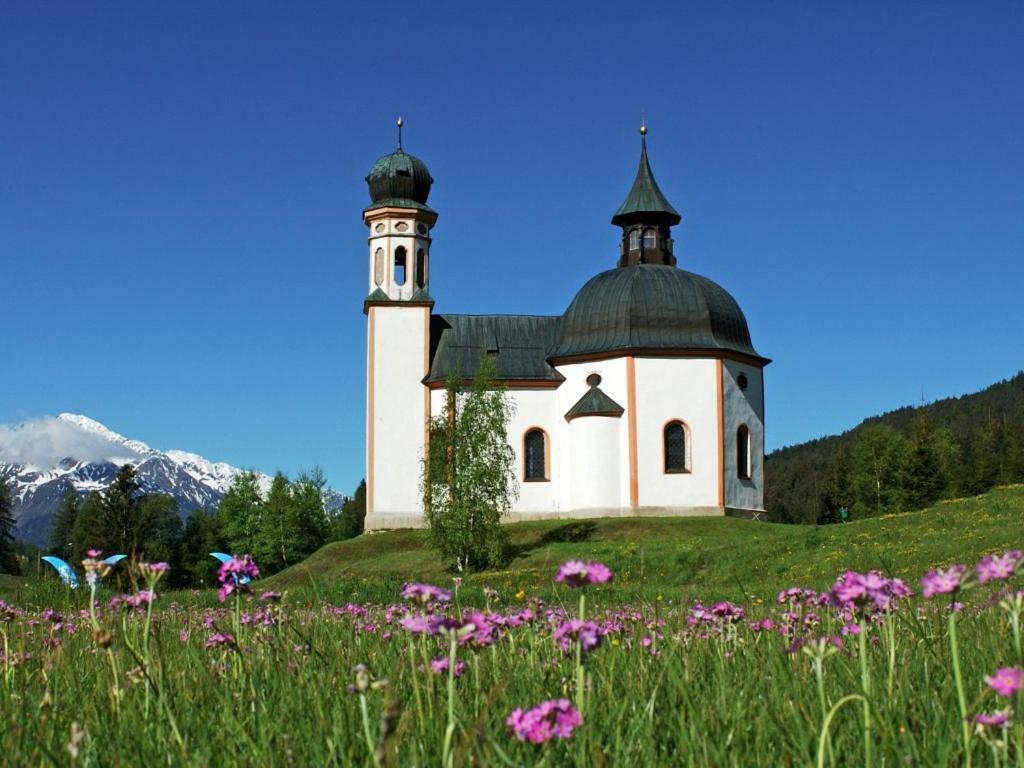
(67, 575)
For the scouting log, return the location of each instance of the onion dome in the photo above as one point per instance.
(652, 308)
(399, 180)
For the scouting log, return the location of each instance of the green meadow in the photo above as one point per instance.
(335, 668)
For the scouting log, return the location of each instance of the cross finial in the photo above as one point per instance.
(643, 129)
(400, 123)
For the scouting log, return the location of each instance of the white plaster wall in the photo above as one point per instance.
(531, 408)
(536, 408)
(398, 409)
(684, 389)
(744, 407)
(613, 384)
(595, 458)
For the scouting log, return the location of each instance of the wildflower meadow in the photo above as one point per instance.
(871, 672)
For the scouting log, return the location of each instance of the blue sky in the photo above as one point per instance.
(182, 255)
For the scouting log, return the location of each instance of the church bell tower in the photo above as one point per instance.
(398, 309)
(646, 218)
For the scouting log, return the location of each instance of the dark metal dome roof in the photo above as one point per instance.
(651, 307)
(399, 180)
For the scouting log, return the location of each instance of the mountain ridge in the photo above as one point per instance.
(38, 461)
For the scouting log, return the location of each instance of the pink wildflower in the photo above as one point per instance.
(440, 666)
(235, 574)
(586, 633)
(999, 566)
(990, 718)
(421, 625)
(576, 573)
(219, 639)
(425, 593)
(943, 581)
(554, 719)
(1006, 681)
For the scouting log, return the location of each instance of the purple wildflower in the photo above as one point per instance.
(1006, 681)
(999, 566)
(554, 719)
(990, 718)
(586, 633)
(425, 593)
(421, 625)
(155, 569)
(219, 639)
(235, 574)
(943, 581)
(576, 573)
(440, 666)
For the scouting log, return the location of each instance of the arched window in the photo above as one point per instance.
(535, 455)
(634, 239)
(743, 452)
(650, 238)
(677, 455)
(421, 268)
(400, 265)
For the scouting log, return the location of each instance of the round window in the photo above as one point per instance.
(742, 380)
(379, 228)
(421, 228)
(401, 226)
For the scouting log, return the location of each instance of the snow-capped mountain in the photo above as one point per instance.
(43, 459)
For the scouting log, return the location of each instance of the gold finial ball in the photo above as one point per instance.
(643, 129)
(400, 122)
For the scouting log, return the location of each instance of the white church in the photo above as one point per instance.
(645, 397)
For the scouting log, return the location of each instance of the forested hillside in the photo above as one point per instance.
(903, 460)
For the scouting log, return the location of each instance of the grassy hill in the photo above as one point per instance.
(698, 557)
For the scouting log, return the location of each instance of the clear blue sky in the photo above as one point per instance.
(182, 255)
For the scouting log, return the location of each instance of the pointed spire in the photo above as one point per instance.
(645, 200)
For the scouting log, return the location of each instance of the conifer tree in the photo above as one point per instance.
(62, 528)
(308, 516)
(275, 542)
(120, 514)
(201, 535)
(876, 461)
(349, 523)
(240, 512)
(837, 494)
(8, 562)
(89, 531)
(923, 480)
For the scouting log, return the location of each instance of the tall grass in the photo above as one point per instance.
(306, 682)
